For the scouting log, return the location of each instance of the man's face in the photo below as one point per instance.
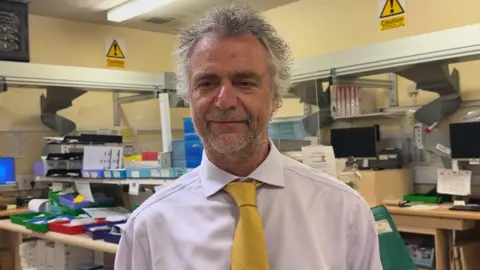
(230, 94)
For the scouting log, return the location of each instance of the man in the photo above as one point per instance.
(246, 207)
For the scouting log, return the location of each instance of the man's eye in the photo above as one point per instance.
(247, 84)
(204, 85)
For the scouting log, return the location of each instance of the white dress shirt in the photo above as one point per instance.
(311, 221)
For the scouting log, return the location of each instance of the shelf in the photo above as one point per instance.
(33, 75)
(152, 181)
(379, 114)
(448, 46)
(82, 241)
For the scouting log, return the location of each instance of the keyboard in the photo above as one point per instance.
(468, 207)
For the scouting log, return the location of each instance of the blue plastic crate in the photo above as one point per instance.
(178, 149)
(193, 149)
(193, 162)
(188, 125)
(288, 129)
(179, 163)
(191, 137)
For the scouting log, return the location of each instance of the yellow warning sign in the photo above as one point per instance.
(392, 14)
(115, 63)
(391, 8)
(115, 51)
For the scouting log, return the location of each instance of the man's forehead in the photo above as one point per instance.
(229, 47)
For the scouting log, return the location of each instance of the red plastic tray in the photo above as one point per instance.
(60, 227)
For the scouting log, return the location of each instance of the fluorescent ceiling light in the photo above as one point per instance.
(134, 8)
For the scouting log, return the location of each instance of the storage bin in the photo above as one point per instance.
(112, 238)
(21, 218)
(188, 125)
(178, 150)
(44, 226)
(179, 163)
(287, 129)
(65, 228)
(100, 234)
(193, 162)
(193, 149)
(191, 137)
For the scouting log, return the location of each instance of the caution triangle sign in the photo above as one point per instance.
(391, 8)
(115, 51)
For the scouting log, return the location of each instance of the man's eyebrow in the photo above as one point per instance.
(205, 76)
(245, 75)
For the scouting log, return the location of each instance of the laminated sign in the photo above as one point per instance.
(392, 14)
(115, 53)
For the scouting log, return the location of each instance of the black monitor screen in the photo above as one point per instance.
(465, 140)
(354, 142)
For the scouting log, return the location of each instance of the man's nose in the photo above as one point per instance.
(227, 97)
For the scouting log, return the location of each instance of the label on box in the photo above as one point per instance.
(94, 175)
(135, 174)
(154, 173)
(116, 174)
(108, 174)
(382, 226)
(133, 188)
(165, 173)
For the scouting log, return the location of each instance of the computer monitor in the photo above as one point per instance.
(359, 142)
(7, 171)
(465, 140)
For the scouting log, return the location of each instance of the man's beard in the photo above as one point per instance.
(225, 144)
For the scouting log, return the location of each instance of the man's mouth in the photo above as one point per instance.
(240, 121)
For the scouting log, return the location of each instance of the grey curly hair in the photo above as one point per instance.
(235, 20)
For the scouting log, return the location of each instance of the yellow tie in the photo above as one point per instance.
(249, 250)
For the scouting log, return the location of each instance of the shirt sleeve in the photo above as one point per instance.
(364, 251)
(133, 251)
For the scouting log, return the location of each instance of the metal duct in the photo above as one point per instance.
(436, 78)
(56, 99)
(312, 93)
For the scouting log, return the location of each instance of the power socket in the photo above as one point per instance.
(24, 182)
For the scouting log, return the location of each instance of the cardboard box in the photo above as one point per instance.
(376, 186)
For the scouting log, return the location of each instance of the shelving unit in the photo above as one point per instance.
(449, 46)
(120, 182)
(369, 115)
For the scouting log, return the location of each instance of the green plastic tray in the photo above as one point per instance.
(424, 198)
(41, 228)
(20, 218)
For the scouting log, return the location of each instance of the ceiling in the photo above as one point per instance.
(167, 19)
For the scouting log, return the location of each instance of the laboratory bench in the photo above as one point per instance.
(441, 223)
(438, 222)
(11, 236)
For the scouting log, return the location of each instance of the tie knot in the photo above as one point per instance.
(243, 193)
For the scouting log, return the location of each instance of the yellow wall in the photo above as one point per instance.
(315, 27)
(311, 27)
(62, 42)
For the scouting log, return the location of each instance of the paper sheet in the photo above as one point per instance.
(320, 157)
(423, 207)
(17, 145)
(83, 188)
(454, 182)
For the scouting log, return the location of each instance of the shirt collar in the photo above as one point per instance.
(270, 172)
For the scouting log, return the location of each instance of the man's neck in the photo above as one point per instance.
(242, 163)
